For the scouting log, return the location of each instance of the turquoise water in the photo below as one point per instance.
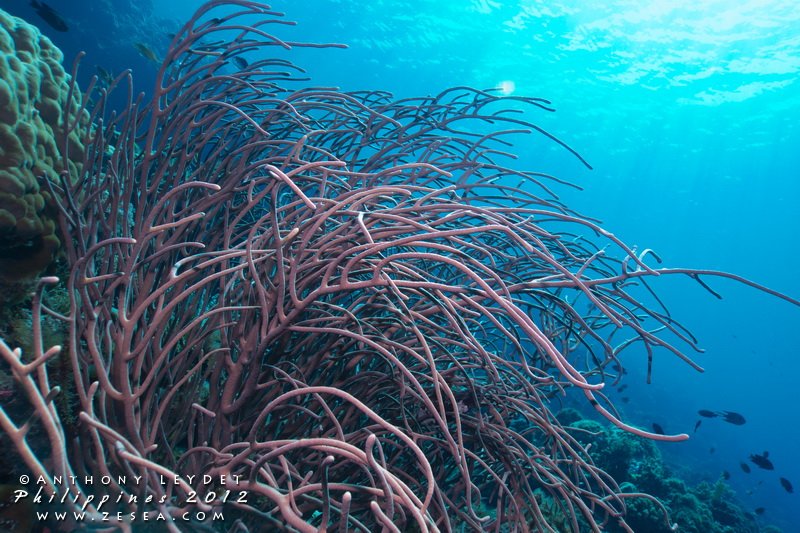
(688, 113)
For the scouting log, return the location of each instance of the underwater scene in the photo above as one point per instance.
(453, 265)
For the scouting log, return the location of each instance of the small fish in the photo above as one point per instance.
(706, 413)
(50, 16)
(240, 62)
(786, 485)
(726, 475)
(625, 399)
(622, 388)
(762, 461)
(146, 52)
(658, 429)
(733, 418)
(697, 425)
(760, 511)
(712, 450)
(105, 76)
(745, 468)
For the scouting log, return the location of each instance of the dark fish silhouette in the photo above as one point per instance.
(49, 15)
(658, 429)
(625, 399)
(697, 425)
(745, 468)
(622, 388)
(728, 416)
(786, 485)
(760, 510)
(726, 474)
(733, 418)
(240, 62)
(712, 450)
(105, 76)
(762, 461)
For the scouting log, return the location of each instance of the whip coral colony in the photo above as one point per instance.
(345, 311)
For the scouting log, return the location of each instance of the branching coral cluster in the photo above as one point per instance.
(348, 307)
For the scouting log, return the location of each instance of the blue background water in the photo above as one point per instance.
(687, 110)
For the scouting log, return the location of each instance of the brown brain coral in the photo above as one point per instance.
(34, 103)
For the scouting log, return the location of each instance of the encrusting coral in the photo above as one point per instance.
(37, 112)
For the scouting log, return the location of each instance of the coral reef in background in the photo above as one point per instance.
(636, 464)
(41, 115)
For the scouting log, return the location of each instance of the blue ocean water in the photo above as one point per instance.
(688, 113)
